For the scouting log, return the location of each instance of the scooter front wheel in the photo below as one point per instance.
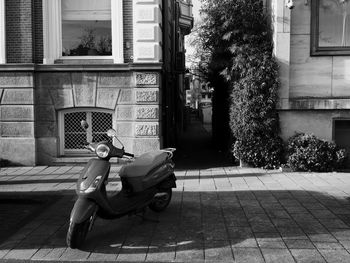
(77, 233)
(161, 200)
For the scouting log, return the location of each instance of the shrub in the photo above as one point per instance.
(260, 152)
(306, 152)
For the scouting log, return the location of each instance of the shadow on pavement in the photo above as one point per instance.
(196, 222)
(16, 210)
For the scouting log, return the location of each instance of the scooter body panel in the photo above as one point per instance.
(151, 179)
(93, 169)
(83, 209)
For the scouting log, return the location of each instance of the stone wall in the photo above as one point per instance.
(132, 96)
(17, 141)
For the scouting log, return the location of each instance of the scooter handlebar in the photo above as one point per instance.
(129, 154)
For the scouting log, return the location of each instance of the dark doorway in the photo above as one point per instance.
(342, 136)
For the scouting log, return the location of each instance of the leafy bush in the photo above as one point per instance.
(306, 152)
(260, 152)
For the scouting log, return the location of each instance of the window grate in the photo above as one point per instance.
(75, 136)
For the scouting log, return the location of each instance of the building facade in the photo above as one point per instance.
(115, 63)
(312, 46)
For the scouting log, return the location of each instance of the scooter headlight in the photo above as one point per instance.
(102, 150)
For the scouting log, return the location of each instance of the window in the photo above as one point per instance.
(2, 33)
(73, 136)
(86, 27)
(83, 29)
(330, 27)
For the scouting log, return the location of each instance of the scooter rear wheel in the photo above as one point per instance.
(77, 233)
(161, 200)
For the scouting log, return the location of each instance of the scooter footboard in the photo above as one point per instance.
(82, 210)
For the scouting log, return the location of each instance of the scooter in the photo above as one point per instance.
(146, 181)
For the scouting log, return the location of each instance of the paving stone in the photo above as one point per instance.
(244, 243)
(247, 255)
(307, 256)
(299, 244)
(277, 255)
(189, 251)
(336, 256)
(326, 237)
(328, 246)
(20, 253)
(218, 250)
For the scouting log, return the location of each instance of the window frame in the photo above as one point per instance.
(315, 49)
(2, 32)
(52, 33)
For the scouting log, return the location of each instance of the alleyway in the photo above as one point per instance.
(196, 149)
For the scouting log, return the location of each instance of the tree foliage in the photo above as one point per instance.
(237, 35)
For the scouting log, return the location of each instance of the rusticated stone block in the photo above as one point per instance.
(45, 129)
(147, 96)
(146, 129)
(62, 98)
(124, 128)
(126, 96)
(55, 80)
(145, 145)
(1, 91)
(107, 98)
(84, 89)
(18, 150)
(17, 129)
(16, 79)
(116, 80)
(147, 113)
(18, 96)
(124, 113)
(45, 113)
(147, 79)
(17, 113)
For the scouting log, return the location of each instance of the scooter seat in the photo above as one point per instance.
(143, 164)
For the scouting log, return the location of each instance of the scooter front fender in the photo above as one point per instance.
(82, 210)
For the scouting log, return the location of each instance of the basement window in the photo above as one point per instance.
(73, 136)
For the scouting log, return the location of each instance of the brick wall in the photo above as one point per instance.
(19, 40)
(128, 31)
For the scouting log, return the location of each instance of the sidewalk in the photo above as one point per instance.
(218, 213)
(223, 214)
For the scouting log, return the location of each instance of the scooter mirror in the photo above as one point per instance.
(112, 133)
(84, 124)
